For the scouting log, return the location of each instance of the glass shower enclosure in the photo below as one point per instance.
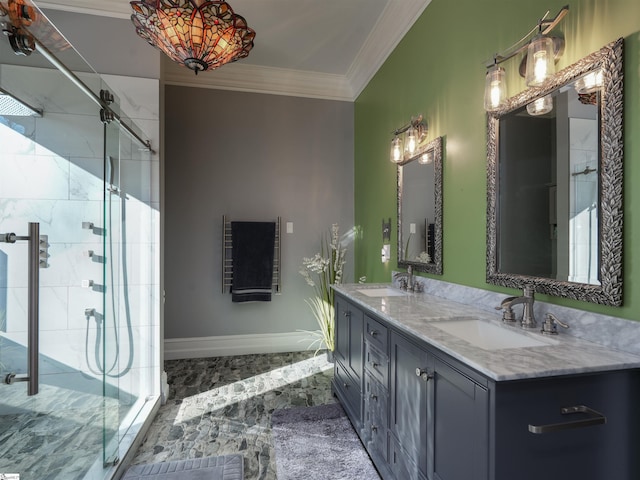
(79, 256)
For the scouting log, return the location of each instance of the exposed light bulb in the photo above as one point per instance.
(397, 152)
(411, 141)
(540, 60)
(495, 93)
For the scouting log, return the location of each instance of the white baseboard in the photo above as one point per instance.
(202, 347)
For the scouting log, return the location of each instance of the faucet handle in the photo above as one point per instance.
(550, 325)
(507, 314)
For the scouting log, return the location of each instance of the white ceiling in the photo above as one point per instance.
(310, 48)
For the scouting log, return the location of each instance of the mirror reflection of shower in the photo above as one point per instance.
(105, 327)
(583, 201)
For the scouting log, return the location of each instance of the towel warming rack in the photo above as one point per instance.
(227, 257)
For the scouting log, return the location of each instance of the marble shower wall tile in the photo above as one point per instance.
(58, 182)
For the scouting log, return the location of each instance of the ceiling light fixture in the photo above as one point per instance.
(406, 140)
(199, 34)
(537, 66)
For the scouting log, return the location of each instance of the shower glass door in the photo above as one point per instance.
(52, 173)
(76, 170)
(109, 342)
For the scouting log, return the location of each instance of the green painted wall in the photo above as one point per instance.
(438, 70)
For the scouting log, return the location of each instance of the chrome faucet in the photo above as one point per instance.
(527, 299)
(406, 279)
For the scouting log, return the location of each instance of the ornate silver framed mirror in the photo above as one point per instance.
(420, 210)
(554, 183)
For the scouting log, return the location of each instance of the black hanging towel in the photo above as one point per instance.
(252, 258)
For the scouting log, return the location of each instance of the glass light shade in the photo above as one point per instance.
(540, 60)
(495, 90)
(201, 35)
(411, 140)
(589, 83)
(540, 106)
(397, 150)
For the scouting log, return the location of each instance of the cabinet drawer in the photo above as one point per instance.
(376, 417)
(377, 364)
(350, 391)
(376, 333)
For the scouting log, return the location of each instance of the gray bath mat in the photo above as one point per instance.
(227, 467)
(319, 443)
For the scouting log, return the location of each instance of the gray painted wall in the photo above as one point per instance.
(251, 157)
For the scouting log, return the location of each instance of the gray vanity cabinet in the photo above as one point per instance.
(458, 424)
(348, 354)
(409, 382)
(534, 439)
(414, 409)
(437, 412)
(424, 415)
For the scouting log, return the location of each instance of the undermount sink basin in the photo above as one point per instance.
(489, 336)
(381, 292)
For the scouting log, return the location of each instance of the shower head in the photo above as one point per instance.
(11, 105)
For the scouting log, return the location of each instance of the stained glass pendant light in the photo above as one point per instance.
(199, 34)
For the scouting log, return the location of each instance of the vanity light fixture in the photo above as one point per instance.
(540, 106)
(406, 140)
(397, 149)
(411, 140)
(495, 91)
(540, 60)
(537, 66)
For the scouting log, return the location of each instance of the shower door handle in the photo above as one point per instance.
(33, 327)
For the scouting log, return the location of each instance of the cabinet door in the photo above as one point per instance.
(607, 450)
(458, 426)
(349, 331)
(408, 392)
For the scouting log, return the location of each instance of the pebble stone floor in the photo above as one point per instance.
(221, 406)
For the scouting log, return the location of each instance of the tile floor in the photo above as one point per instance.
(219, 406)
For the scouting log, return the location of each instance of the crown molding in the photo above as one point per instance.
(394, 23)
(396, 20)
(257, 79)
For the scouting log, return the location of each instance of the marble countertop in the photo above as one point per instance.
(416, 314)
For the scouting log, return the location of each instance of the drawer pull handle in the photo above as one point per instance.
(374, 428)
(424, 374)
(345, 385)
(373, 397)
(373, 333)
(346, 313)
(596, 418)
(374, 364)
